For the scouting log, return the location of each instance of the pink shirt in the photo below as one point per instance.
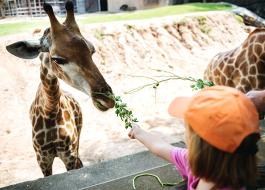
(179, 157)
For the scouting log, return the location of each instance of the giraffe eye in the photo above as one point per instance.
(59, 60)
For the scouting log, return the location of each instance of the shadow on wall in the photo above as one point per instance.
(126, 7)
(256, 6)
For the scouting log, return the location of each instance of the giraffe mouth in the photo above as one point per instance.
(102, 100)
(103, 105)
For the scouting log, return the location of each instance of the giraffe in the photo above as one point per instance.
(56, 116)
(243, 67)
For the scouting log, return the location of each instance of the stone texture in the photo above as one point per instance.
(110, 175)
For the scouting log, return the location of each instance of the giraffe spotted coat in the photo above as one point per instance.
(56, 117)
(242, 67)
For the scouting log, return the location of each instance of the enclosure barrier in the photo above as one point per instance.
(118, 174)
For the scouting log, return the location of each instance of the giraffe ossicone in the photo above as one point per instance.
(56, 116)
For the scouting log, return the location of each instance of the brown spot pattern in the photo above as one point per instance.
(252, 81)
(40, 138)
(243, 68)
(261, 38)
(253, 70)
(66, 116)
(228, 70)
(258, 49)
(39, 124)
(62, 133)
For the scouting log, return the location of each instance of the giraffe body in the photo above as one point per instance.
(243, 67)
(57, 121)
(56, 116)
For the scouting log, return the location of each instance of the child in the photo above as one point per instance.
(222, 130)
(258, 98)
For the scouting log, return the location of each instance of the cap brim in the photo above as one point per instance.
(179, 106)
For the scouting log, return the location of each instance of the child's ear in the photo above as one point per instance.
(25, 49)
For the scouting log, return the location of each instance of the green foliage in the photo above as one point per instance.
(129, 27)
(22, 26)
(157, 12)
(182, 22)
(17, 27)
(200, 84)
(123, 112)
(99, 34)
(203, 25)
(197, 83)
(126, 115)
(205, 30)
(201, 20)
(239, 19)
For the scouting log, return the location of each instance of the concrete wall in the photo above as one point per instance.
(114, 5)
(257, 6)
(84, 6)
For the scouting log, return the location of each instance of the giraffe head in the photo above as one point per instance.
(68, 57)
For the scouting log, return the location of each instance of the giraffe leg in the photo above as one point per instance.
(45, 163)
(78, 163)
(71, 161)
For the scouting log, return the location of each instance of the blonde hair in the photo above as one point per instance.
(234, 170)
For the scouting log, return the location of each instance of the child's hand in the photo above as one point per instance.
(134, 130)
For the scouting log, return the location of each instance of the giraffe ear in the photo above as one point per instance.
(25, 49)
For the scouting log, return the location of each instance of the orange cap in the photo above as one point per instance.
(220, 115)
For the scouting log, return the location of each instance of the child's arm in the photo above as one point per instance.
(155, 144)
(258, 98)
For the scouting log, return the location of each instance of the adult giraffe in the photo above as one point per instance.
(56, 117)
(242, 67)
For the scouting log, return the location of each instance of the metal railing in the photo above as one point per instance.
(13, 8)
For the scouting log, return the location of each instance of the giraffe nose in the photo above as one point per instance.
(106, 90)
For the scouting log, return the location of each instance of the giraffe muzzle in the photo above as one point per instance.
(103, 105)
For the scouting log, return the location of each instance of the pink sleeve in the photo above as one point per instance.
(179, 157)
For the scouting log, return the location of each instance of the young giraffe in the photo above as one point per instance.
(56, 117)
(242, 67)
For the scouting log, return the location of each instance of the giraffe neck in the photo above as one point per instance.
(49, 90)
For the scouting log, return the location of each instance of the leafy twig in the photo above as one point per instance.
(121, 110)
(197, 83)
(127, 116)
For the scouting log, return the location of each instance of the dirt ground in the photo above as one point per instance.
(179, 44)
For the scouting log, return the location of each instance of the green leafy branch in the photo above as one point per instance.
(197, 83)
(121, 110)
(126, 115)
